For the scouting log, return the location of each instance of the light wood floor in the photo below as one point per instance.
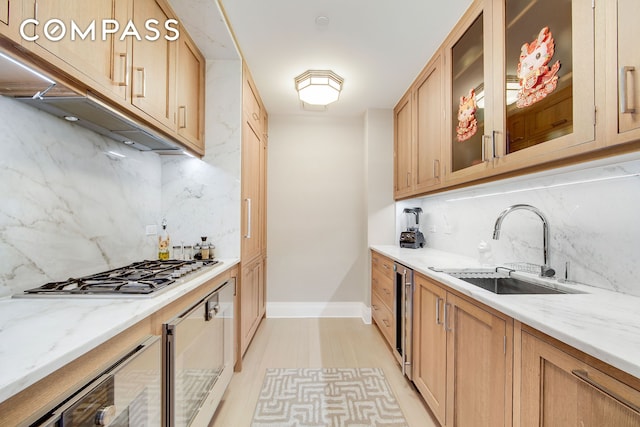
(315, 343)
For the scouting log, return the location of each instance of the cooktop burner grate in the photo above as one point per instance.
(139, 278)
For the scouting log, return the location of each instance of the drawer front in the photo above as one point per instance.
(383, 318)
(383, 264)
(383, 286)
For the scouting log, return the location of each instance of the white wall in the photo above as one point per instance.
(316, 223)
(379, 177)
(592, 211)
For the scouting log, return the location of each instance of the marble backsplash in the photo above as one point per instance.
(69, 207)
(592, 213)
(202, 197)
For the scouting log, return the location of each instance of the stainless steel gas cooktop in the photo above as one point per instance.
(139, 278)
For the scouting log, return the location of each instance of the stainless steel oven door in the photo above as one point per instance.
(199, 358)
(128, 394)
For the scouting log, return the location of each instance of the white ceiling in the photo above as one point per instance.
(377, 46)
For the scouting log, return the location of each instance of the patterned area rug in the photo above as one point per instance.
(330, 397)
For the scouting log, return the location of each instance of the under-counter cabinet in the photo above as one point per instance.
(562, 387)
(251, 302)
(623, 71)
(462, 357)
(519, 80)
(383, 297)
(418, 134)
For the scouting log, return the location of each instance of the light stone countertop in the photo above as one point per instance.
(42, 334)
(601, 323)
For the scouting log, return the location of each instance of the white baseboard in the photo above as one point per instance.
(319, 309)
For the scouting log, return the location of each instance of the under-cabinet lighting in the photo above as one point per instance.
(31, 70)
(188, 154)
(115, 154)
(544, 187)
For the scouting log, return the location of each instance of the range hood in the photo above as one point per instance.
(30, 86)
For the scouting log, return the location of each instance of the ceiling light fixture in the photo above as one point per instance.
(318, 87)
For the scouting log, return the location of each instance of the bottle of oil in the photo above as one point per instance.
(164, 242)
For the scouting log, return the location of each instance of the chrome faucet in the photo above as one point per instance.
(545, 270)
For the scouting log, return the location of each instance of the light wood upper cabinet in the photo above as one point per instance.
(462, 357)
(418, 134)
(403, 140)
(190, 92)
(559, 389)
(153, 66)
(107, 61)
(4, 12)
(10, 19)
(429, 115)
(468, 59)
(519, 78)
(623, 71)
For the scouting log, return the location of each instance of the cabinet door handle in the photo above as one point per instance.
(622, 86)
(584, 376)
(558, 123)
(124, 61)
(386, 323)
(255, 116)
(493, 144)
(143, 82)
(438, 321)
(484, 149)
(446, 317)
(182, 118)
(248, 235)
(408, 178)
(436, 168)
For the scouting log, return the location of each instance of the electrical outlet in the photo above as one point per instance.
(152, 230)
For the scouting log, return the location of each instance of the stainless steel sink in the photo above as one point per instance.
(503, 281)
(510, 285)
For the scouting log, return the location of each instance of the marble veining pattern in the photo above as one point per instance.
(202, 197)
(592, 213)
(68, 207)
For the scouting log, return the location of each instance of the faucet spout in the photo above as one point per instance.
(546, 269)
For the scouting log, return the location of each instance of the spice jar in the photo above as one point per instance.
(188, 252)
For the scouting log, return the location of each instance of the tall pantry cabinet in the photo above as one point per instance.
(252, 290)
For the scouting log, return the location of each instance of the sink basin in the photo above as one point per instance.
(503, 282)
(510, 285)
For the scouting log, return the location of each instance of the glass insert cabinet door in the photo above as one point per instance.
(467, 94)
(521, 81)
(539, 72)
(545, 69)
